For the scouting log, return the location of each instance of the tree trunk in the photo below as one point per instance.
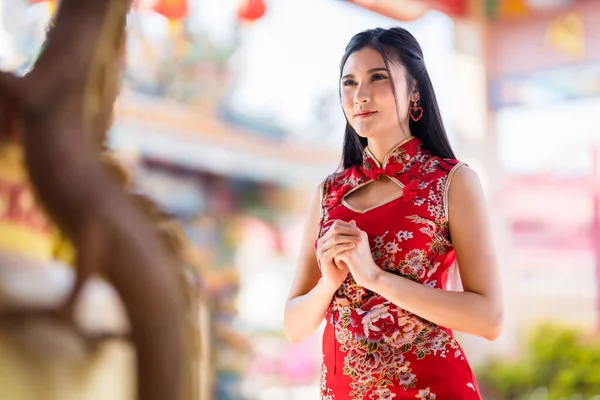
(60, 113)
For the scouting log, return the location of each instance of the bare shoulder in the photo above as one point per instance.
(464, 182)
(463, 190)
(466, 175)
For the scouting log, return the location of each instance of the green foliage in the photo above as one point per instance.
(558, 363)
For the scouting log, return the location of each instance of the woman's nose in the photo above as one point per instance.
(362, 95)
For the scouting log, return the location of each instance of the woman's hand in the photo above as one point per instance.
(341, 237)
(359, 261)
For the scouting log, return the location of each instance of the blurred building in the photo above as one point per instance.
(543, 75)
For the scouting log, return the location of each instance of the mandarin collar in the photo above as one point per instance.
(394, 161)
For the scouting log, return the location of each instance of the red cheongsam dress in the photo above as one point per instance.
(372, 349)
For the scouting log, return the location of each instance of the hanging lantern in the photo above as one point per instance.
(454, 8)
(514, 8)
(172, 9)
(251, 10)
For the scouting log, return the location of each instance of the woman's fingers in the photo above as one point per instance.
(341, 236)
(337, 249)
(340, 228)
(325, 248)
(332, 238)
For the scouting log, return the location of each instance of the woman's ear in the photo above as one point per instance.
(415, 95)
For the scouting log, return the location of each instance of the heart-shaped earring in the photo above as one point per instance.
(415, 112)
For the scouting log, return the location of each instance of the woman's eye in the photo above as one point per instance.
(348, 82)
(378, 77)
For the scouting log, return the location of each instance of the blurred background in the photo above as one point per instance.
(229, 118)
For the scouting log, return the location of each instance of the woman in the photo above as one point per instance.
(386, 247)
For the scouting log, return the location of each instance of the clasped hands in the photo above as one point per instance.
(344, 249)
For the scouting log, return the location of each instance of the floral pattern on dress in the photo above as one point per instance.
(326, 392)
(378, 344)
(425, 394)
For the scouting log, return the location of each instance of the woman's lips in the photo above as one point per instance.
(365, 114)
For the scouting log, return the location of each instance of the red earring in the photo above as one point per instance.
(415, 112)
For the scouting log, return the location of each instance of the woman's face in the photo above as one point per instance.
(367, 96)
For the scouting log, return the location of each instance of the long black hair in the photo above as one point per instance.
(398, 45)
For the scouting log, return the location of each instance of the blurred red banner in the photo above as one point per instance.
(408, 10)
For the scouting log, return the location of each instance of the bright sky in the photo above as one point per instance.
(555, 139)
(289, 59)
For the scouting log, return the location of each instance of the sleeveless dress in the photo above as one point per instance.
(372, 349)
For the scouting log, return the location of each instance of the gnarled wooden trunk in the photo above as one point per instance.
(58, 115)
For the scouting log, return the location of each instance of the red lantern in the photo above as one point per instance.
(251, 10)
(455, 8)
(172, 9)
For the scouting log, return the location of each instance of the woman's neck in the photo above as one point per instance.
(382, 146)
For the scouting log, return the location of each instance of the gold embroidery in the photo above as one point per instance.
(345, 203)
(389, 153)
